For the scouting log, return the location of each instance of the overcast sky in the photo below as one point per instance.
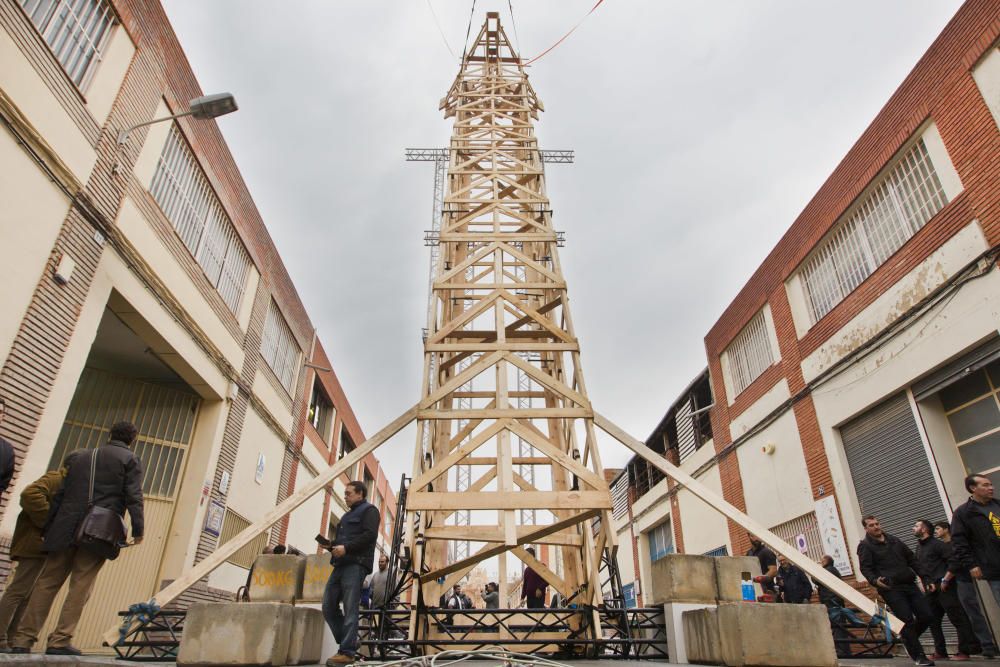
(701, 130)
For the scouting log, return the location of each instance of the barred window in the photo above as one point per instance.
(187, 199)
(279, 349)
(619, 497)
(750, 353)
(661, 541)
(896, 208)
(77, 31)
(232, 525)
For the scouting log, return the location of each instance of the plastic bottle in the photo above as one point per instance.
(747, 589)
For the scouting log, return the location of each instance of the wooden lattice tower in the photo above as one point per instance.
(500, 339)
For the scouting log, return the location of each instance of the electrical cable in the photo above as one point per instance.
(513, 24)
(440, 31)
(572, 30)
(468, 31)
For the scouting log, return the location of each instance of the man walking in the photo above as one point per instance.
(889, 566)
(351, 553)
(26, 551)
(932, 567)
(7, 457)
(117, 485)
(975, 533)
(958, 580)
(378, 582)
(768, 564)
(533, 586)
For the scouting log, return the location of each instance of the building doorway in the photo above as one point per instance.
(123, 380)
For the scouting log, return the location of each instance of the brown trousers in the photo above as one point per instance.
(81, 567)
(15, 596)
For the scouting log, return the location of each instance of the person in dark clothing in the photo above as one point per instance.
(768, 563)
(456, 599)
(959, 580)
(117, 485)
(533, 586)
(792, 582)
(26, 551)
(889, 566)
(7, 456)
(932, 566)
(827, 597)
(975, 533)
(352, 553)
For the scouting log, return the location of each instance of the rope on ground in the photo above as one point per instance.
(140, 611)
(446, 658)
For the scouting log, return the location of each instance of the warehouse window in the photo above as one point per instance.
(189, 203)
(77, 31)
(279, 349)
(894, 210)
(619, 496)
(320, 411)
(661, 541)
(232, 525)
(750, 353)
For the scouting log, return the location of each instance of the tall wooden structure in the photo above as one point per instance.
(502, 374)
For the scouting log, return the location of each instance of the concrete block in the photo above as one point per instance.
(305, 643)
(277, 578)
(782, 635)
(701, 636)
(728, 570)
(315, 574)
(251, 633)
(683, 578)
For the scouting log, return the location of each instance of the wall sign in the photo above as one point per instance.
(213, 518)
(259, 474)
(831, 534)
(224, 482)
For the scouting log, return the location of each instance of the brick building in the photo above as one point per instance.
(858, 369)
(141, 283)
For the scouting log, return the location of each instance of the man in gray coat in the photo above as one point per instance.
(117, 486)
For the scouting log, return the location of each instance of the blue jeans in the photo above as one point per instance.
(970, 601)
(343, 588)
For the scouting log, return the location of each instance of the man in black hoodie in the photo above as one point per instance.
(890, 566)
(975, 533)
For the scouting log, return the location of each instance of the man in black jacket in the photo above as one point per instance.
(889, 565)
(827, 597)
(959, 580)
(975, 533)
(792, 582)
(768, 563)
(7, 456)
(117, 486)
(932, 567)
(352, 553)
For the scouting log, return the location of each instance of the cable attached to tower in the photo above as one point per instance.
(438, 24)
(468, 30)
(561, 39)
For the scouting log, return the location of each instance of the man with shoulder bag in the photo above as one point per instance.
(85, 527)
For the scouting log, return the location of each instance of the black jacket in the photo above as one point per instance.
(358, 532)
(890, 559)
(826, 596)
(932, 559)
(795, 586)
(766, 558)
(7, 459)
(975, 534)
(117, 486)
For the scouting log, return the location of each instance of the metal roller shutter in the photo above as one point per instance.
(892, 476)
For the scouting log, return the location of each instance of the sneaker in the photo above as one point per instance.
(339, 659)
(960, 657)
(923, 661)
(63, 650)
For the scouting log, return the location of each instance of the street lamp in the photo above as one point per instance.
(202, 108)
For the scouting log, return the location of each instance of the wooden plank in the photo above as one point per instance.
(312, 487)
(779, 546)
(561, 457)
(490, 534)
(512, 500)
(455, 456)
(544, 572)
(503, 413)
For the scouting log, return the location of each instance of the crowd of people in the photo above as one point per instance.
(71, 522)
(922, 586)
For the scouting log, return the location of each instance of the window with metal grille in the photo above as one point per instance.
(750, 353)
(279, 349)
(718, 552)
(807, 526)
(893, 211)
(184, 194)
(77, 31)
(321, 411)
(232, 525)
(619, 496)
(661, 541)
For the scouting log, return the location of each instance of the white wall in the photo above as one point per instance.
(307, 519)
(704, 528)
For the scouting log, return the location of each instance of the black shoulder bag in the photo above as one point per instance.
(102, 530)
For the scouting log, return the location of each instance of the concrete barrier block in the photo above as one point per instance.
(683, 578)
(316, 572)
(277, 578)
(305, 643)
(728, 571)
(701, 636)
(251, 633)
(780, 635)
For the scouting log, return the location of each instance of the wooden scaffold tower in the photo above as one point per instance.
(504, 394)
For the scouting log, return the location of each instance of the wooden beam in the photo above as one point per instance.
(778, 545)
(461, 500)
(489, 534)
(543, 571)
(504, 413)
